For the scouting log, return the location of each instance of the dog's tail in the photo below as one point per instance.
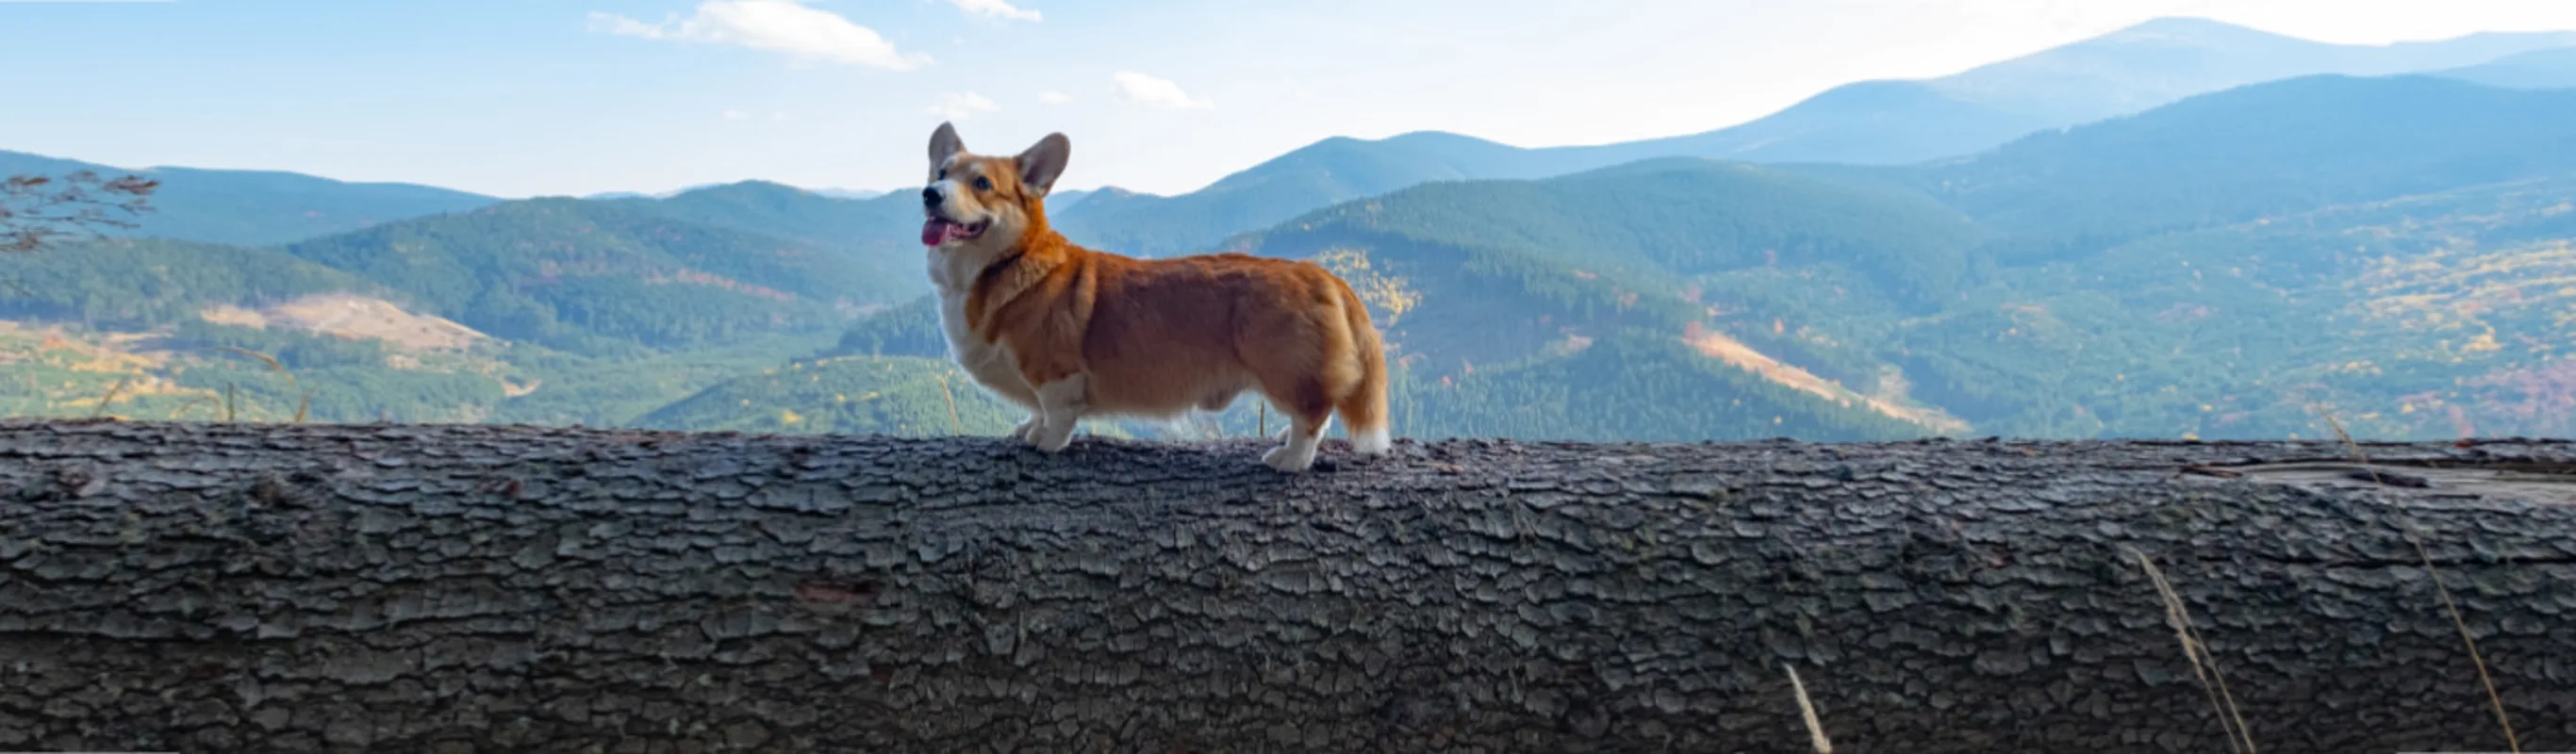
(1363, 407)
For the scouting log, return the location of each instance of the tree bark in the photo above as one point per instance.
(209, 587)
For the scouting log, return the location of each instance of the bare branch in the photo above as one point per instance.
(38, 211)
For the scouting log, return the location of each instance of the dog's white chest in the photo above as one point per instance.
(989, 363)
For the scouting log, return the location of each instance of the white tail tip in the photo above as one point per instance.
(1371, 441)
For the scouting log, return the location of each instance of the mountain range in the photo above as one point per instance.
(2228, 244)
(1870, 122)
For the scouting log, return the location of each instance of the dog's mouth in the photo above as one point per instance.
(940, 230)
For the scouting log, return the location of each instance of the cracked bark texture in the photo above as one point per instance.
(198, 587)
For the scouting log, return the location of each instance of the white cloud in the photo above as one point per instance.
(1001, 9)
(736, 115)
(1149, 91)
(1054, 98)
(611, 23)
(780, 26)
(962, 106)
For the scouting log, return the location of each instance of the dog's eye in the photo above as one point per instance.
(983, 184)
(943, 175)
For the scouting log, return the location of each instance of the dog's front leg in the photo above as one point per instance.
(1061, 404)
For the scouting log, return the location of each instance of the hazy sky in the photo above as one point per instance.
(524, 97)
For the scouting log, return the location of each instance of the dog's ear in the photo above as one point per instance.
(1044, 162)
(944, 143)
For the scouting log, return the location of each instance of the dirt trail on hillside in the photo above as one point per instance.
(355, 317)
(1719, 346)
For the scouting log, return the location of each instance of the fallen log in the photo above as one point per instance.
(212, 587)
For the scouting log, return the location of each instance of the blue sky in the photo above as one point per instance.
(526, 97)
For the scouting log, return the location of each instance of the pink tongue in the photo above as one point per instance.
(935, 231)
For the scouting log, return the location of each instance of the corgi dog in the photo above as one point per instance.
(1069, 332)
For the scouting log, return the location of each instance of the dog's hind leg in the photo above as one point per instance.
(1308, 413)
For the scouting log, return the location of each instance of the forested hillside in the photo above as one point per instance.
(909, 396)
(788, 212)
(2553, 68)
(254, 207)
(141, 282)
(2260, 150)
(553, 311)
(1317, 175)
(592, 277)
(2428, 315)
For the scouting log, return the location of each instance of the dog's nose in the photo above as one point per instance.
(930, 196)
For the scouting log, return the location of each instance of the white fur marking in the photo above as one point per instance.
(1299, 452)
(1063, 403)
(1371, 441)
(987, 362)
(953, 268)
(1288, 431)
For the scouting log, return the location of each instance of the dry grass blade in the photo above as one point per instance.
(2355, 447)
(110, 397)
(2494, 699)
(303, 405)
(2513, 742)
(192, 402)
(1807, 708)
(955, 425)
(273, 365)
(2203, 664)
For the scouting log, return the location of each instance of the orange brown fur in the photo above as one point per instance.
(1070, 332)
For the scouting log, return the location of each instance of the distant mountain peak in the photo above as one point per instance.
(847, 193)
(2189, 27)
(748, 184)
(2197, 30)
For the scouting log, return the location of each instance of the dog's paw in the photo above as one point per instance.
(1290, 458)
(1051, 439)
